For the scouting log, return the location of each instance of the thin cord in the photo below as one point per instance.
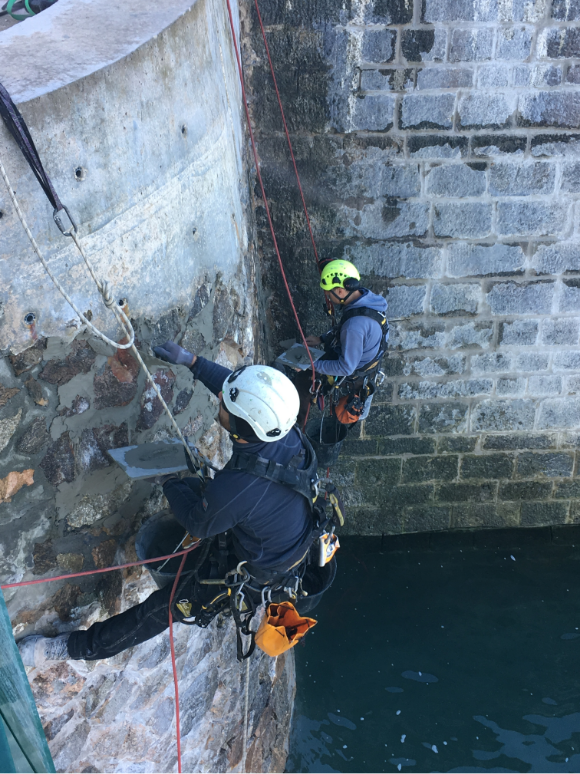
(174, 667)
(245, 721)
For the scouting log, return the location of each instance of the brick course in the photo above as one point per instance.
(439, 149)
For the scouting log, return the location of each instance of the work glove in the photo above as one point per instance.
(173, 353)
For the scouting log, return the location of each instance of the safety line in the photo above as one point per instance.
(174, 667)
(96, 572)
(291, 149)
(265, 200)
(245, 721)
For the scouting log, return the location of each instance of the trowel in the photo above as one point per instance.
(151, 459)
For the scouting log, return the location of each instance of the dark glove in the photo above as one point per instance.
(173, 353)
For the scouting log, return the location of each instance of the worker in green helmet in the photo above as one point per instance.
(353, 348)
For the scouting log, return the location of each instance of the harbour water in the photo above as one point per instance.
(444, 653)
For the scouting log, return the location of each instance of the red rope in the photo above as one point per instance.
(259, 176)
(96, 572)
(174, 667)
(291, 149)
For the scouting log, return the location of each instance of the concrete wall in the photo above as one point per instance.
(135, 111)
(439, 148)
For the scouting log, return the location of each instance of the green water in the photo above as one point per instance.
(457, 659)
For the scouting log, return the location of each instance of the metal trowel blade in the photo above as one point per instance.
(150, 459)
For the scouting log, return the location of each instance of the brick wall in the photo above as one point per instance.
(439, 144)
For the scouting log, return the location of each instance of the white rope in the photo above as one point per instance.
(245, 721)
(108, 299)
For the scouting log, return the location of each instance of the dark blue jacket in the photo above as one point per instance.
(270, 523)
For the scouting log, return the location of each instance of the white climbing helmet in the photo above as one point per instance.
(265, 398)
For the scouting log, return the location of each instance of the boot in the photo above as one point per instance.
(43, 652)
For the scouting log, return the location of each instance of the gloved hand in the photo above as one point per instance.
(173, 353)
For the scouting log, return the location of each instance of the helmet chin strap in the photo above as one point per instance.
(345, 299)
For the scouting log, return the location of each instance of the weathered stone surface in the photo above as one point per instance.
(492, 76)
(470, 335)
(6, 393)
(182, 401)
(424, 45)
(437, 146)
(518, 333)
(498, 145)
(379, 45)
(444, 78)
(522, 179)
(479, 111)
(427, 112)
(8, 428)
(151, 406)
(387, 79)
(116, 383)
(487, 466)
(390, 420)
(406, 300)
(92, 508)
(25, 361)
(551, 465)
(559, 43)
(455, 299)
(58, 463)
(34, 438)
(471, 45)
(36, 392)
(514, 42)
(455, 180)
(470, 260)
(79, 405)
(448, 417)
(43, 557)
(521, 298)
(373, 113)
(494, 415)
(429, 469)
(79, 361)
(549, 108)
(104, 553)
(70, 562)
(462, 220)
(13, 482)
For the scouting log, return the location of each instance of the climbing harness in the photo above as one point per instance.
(32, 8)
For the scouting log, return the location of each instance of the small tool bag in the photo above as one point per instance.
(282, 627)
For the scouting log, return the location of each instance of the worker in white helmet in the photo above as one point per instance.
(271, 524)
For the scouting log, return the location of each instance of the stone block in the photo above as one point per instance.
(379, 12)
(467, 260)
(424, 45)
(34, 438)
(548, 464)
(571, 385)
(486, 466)
(492, 77)
(455, 444)
(8, 427)
(569, 296)
(378, 45)
(387, 79)
(567, 361)
(471, 45)
(543, 513)
(403, 495)
(513, 441)
(566, 490)
(377, 472)
(550, 108)
(417, 469)
(462, 493)
(518, 333)
(419, 336)
(58, 463)
(510, 387)
(115, 384)
(555, 145)
(481, 516)
(559, 43)
(571, 178)
(396, 259)
(36, 392)
(481, 110)
(564, 330)
(532, 218)
(400, 181)
(151, 407)
(447, 417)
(409, 445)
(426, 518)
(444, 78)
(358, 448)
(566, 10)
(390, 420)
(6, 393)
(491, 363)
(27, 360)
(521, 298)
(79, 361)
(573, 75)
(458, 388)
(437, 146)
(406, 300)
(524, 490)
(503, 415)
(462, 220)
(425, 111)
(486, 145)
(458, 10)
(521, 179)
(471, 334)
(514, 43)
(531, 361)
(459, 299)
(540, 386)
(373, 113)
(13, 483)
(545, 75)
(559, 413)
(373, 521)
(427, 366)
(387, 218)
(455, 180)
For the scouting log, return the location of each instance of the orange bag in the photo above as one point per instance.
(282, 627)
(348, 411)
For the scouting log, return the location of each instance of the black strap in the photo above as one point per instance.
(16, 125)
(243, 627)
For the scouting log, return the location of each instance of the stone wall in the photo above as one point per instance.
(136, 116)
(439, 147)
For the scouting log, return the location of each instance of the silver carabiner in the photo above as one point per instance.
(380, 378)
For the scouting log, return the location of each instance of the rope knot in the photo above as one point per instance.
(107, 294)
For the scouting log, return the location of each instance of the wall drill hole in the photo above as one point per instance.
(184, 130)
(122, 301)
(29, 318)
(1, 214)
(80, 173)
(194, 231)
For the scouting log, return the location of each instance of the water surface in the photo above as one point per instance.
(443, 660)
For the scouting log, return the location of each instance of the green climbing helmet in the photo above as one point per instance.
(336, 272)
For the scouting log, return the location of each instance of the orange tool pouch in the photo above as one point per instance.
(349, 409)
(282, 627)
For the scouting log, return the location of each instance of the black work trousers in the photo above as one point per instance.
(136, 625)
